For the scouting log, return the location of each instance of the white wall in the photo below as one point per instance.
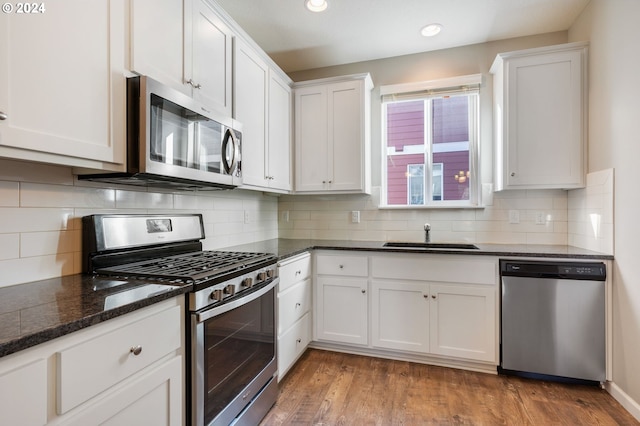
(41, 207)
(329, 217)
(612, 28)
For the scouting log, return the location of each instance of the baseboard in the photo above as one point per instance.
(625, 400)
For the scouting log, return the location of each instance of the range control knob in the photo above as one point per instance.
(247, 282)
(261, 276)
(230, 289)
(216, 295)
(271, 273)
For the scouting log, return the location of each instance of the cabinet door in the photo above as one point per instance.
(400, 315)
(250, 106)
(545, 120)
(208, 56)
(345, 125)
(157, 31)
(279, 134)
(62, 83)
(463, 322)
(312, 149)
(341, 309)
(154, 398)
(24, 394)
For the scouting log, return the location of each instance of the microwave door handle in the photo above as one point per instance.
(229, 164)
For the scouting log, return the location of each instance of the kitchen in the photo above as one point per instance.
(42, 203)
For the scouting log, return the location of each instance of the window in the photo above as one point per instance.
(430, 142)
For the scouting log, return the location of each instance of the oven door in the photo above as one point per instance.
(234, 359)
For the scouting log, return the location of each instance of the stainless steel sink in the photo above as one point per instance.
(450, 246)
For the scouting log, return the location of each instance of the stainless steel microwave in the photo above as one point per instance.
(175, 142)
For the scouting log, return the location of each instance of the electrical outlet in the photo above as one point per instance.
(285, 216)
(355, 216)
(514, 216)
(540, 218)
(246, 216)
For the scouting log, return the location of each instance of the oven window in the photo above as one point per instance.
(238, 345)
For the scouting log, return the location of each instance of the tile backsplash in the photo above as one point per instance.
(590, 212)
(41, 207)
(542, 219)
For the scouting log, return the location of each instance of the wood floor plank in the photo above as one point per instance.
(331, 388)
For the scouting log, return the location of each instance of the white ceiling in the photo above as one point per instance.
(360, 30)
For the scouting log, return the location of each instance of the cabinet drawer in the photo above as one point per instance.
(293, 343)
(440, 268)
(294, 270)
(293, 304)
(86, 369)
(345, 265)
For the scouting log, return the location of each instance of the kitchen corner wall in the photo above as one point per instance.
(591, 213)
(41, 207)
(329, 217)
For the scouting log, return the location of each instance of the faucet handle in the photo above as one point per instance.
(427, 227)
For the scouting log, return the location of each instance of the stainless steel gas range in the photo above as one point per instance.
(231, 362)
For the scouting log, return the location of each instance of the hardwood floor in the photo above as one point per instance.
(330, 388)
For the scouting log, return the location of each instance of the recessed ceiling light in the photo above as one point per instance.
(431, 30)
(316, 5)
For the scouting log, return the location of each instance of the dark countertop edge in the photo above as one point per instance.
(287, 248)
(42, 336)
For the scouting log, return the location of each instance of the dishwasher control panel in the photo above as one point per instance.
(570, 270)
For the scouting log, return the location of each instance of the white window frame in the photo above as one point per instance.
(431, 89)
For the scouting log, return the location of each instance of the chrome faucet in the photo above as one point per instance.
(427, 237)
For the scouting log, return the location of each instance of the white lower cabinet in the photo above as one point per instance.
(434, 308)
(294, 310)
(400, 316)
(342, 310)
(128, 370)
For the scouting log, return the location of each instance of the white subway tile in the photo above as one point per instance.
(45, 243)
(22, 270)
(9, 246)
(44, 195)
(9, 194)
(33, 219)
(143, 200)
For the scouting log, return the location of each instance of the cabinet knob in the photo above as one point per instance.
(298, 340)
(136, 350)
(433, 296)
(426, 296)
(298, 272)
(341, 266)
(298, 304)
(513, 174)
(3, 116)
(363, 291)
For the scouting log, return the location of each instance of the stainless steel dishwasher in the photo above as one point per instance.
(553, 320)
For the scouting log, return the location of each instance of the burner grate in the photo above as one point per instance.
(190, 266)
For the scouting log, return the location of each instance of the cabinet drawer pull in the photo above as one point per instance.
(3, 115)
(298, 272)
(136, 350)
(433, 296)
(298, 304)
(193, 84)
(298, 340)
(341, 266)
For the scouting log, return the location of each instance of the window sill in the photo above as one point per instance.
(432, 207)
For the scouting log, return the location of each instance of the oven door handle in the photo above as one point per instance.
(210, 313)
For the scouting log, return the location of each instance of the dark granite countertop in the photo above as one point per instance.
(284, 248)
(36, 312)
(40, 311)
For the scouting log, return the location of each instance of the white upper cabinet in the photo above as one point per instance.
(332, 135)
(262, 104)
(154, 53)
(540, 114)
(208, 56)
(62, 84)
(184, 44)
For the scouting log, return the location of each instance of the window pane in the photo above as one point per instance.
(450, 133)
(405, 145)
(415, 184)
